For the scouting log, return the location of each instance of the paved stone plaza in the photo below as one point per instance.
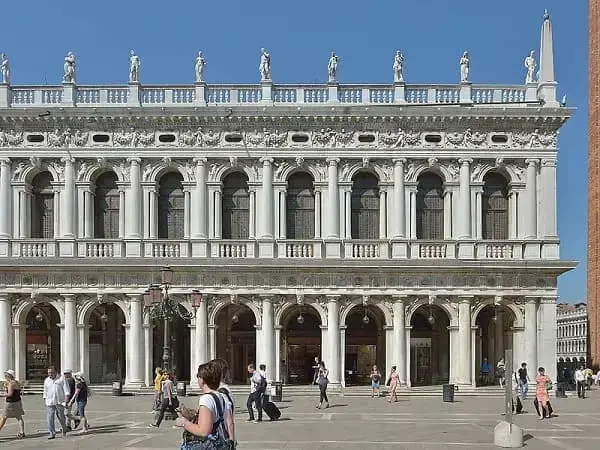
(351, 423)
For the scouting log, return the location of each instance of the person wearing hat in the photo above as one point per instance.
(80, 397)
(13, 407)
(54, 397)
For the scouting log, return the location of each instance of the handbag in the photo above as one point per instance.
(549, 386)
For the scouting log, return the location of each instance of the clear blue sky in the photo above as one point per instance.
(431, 33)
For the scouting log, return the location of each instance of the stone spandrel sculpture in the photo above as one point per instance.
(134, 67)
(531, 65)
(4, 69)
(200, 63)
(332, 67)
(265, 65)
(464, 68)
(398, 67)
(69, 68)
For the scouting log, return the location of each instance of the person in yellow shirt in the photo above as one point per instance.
(157, 388)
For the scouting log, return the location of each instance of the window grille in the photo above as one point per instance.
(106, 207)
(495, 207)
(365, 206)
(430, 207)
(300, 207)
(42, 207)
(236, 207)
(171, 206)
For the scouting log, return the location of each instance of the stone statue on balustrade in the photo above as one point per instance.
(200, 63)
(398, 67)
(332, 67)
(464, 68)
(265, 65)
(5, 69)
(134, 67)
(531, 65)
(69, 68)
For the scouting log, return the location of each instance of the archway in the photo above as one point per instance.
(42, 341)
(365, 344)
(493, 338)
(429, 346)
(106, 344)
(236, 340)
(178, 343)
(301, 343)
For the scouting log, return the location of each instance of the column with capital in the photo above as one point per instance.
(6, 355)
(463, 350)
(148, 369)
(20, 350)
(133, 203)
(531, 338)
(465, 250)
(67, 212)
(547, 339)
(266, 216)
(198, 215)
(333, 334)
(332, 236)
(135, 351)
(202, 333)
(70, 344)
(84, 354)
(268, 337)
(399, 333)
(548, 205)
(5, 206)
(252, 213)
(382, 214)
(399, 223)
(531, 210)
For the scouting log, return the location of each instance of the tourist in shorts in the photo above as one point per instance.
(375, 380)
(80, 398)
(13, 406)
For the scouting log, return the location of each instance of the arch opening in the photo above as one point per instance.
(301, 343)
(42, 206)
(106, 207)
(236, 206)
(429, 346)
(365, 206)
(178, 345)
(430, 207)
(42, 341)
(171, 206)
(106, 344)
(300, 206)
(495, 213)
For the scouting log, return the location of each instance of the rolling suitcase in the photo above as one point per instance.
(271, 410)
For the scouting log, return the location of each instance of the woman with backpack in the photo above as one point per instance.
(212, 427)
(375, 380)
(322, 381)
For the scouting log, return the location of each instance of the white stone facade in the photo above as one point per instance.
(572, 331)
(431, 211)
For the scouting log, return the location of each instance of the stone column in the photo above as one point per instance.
(413, 213)
(218, 211)
(317, 214)
(399, 336)
(89, 214)
(343, 356)
(277, 353)
(531, 202)
(201, 333)
(6, 355)
(5, 207)
(382, 214)
(333, 333)
(348, 213)
(134, 349)
(333, 200)
(20, 350)
(531, 356)
(399, 223)
(121, 213)
(70, 342)
(282, 215)
(134, 203)
(268, 336)
(198, 215)
(148, 369)
(187, 217)
(464, 214)
(464, 340)
(84, 341)
(252, 214)
(212, 341)
(152, 213)
(67, 211)
(266, 216)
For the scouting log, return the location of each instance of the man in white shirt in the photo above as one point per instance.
(580, 381)
(54, 397)
(257, 389)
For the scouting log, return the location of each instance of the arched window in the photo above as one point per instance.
(495, 207)
(42, 207)
(171, 206)
(236, 206)
(365, 206)
(430, 207)
(106, 207)
(300, 207)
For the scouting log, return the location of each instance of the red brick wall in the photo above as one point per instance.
(593, 281)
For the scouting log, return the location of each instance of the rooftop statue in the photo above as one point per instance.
(531, 65)
(134, 67)
(5, 68)
(332, 67)
(69, 68)
(265, 65)
(398, 67)
(200, 63)
(464, 68)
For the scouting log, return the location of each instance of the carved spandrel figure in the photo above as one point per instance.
(398, 67)
(5, 69)
(332, 67)
(464, 68)
(69, 68)
(134, 67)
(265, 65)
(200, 63)
(531, 65)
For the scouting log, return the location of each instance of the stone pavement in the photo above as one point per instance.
(351, 423)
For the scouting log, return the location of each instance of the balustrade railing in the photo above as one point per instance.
(298, 249)
(34, 248)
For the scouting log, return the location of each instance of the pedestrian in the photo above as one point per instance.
(323, 382)
(54, 397)
(316, 368)
(80, 398)
(158, 378)
(485, 372)
(598, 378)
(375, 380)
(212, 426)
(13, 406)
(393, 381)
(543, 384)
(589, 375)
(69, 386)
(224, 389)
(580, 382)
(258, 386)
(517, 405)
(500, 372)
(169, 398)
(523, 381)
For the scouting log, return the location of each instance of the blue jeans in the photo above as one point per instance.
(58, 411)
(81, 404)
(524, 388)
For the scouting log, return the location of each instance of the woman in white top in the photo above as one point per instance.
(213, 428)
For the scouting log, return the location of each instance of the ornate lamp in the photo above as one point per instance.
(155, 294)
(431, 319)
(147, 298)
(166, 275)
(196, 298)
(39, 317)
(300, 319)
